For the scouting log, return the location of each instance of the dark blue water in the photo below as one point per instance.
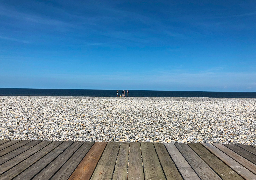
(112, 93)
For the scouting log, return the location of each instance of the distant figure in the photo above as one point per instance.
(117, 93)
(123, 94)
(127, 93)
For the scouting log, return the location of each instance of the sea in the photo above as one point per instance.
(113, 93)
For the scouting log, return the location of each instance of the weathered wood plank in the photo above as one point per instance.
(29, 157)
(230, 162)
(185, 169)
(2, 142)
(18, 151)
(43, 162)
(249, 156)
(135, 168)
(106, 164)
(251, 149)
(249, 165)
(170, 170)
(55, 165)
(152, 167)
(13, 172)
(86, 167)
(224, 171)
(120, 172)
(68, 168)
(13, 147)
(9, 164)
(8, 144)
(199, 166)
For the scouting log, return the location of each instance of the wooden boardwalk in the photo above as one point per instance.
(113, 160)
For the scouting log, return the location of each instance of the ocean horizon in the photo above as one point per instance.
(113, 93)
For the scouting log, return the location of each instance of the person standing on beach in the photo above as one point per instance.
(117, 93)
(123, 93)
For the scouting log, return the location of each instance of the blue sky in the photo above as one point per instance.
(150, 45)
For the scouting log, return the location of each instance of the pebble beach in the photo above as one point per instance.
(129, 119)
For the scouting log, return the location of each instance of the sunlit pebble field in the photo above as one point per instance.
(129, 119)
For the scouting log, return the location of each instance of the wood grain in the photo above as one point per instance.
(18, 151)
(21, 157)
(29, 161)
(230, 162)
(251, 149)
(8, 144)
(242, 152)
(2, 142)
(55, 165)
(67, 169)
(43, 162)
(249, 165)
(13, 147)
(185, 169)
(87, 165)
(152, 167)
(106, 164)
(224, 171)
(120, 172)
(135, 168)
(199, 166)
(170, 170)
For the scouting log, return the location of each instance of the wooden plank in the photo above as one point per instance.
(224, 171)
(170, 170)
(13, 147)
(251, 149)
(86, 167)
(185, 169)
(68, 168)
(152, 167)
(55, 165)
(18, 151)
(249, 156)
(230, 162)
(2, 142)
(43, 162)
(13, 172)
(8, 144)
(135, 168)
(249, 165)
(122, 162)
(16, 160)
(199, 166)
(106, 164)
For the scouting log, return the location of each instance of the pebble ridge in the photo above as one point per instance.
(129, 119)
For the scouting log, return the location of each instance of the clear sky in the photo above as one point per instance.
(202, 45)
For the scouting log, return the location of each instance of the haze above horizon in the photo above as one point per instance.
(149, 45)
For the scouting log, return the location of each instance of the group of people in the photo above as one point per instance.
(123, 93)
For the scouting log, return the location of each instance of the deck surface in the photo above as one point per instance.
(114, 160)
